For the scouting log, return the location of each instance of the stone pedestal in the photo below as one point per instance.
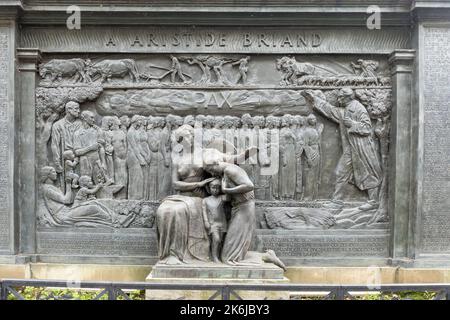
(198, 272)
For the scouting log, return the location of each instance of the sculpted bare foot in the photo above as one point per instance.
(172, 261)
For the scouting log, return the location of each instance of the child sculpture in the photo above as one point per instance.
(214, 216)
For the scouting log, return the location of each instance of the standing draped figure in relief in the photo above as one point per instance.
(146, 153)
(44, 124)
(136, 160)
(125, 123)
(119, 144)
(166, 149)
(287, 158)
(88, 148)
(153, 136)
(299, 131)
(164, 180)
(208, 125)
(273, 125)
(62, 134)
(163, 157)
(228, 131)
(105, 135)
(313, 157)
(217, 131)
(261, 181)
(237, 124)
(246, 140)
(359, 163)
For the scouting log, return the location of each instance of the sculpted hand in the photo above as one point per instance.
(348, 123)
(94, 147)
(205, 182)
(58, 168)
(52, 117)
(308, 95)
(250, 152)
(207, 226)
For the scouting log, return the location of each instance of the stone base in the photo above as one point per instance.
(197, 272)
(206, 294)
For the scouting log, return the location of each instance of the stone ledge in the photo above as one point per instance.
(309, 275)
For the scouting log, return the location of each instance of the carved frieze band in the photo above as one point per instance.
(183, 40)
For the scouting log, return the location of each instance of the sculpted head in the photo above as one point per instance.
(85, 182)
(68, 155)
(200, 118)
(151, 122)
(228, 122)
(72, 109)
(184, 134)
(173, 120)
(259, 121)
(247, 120)
(161, 122)
(115, 123)
(286, 120)
(312, 120)
(106, 123)
(137, 121)
(210, 121)
(345, 96)
(211, 161)
(189, 120)
(236, 122)
(299, 120)
(178, 121)
(88, 117)
(219, 122)
(125, 122)
(215, 187)
(270, 123)
(48, 172)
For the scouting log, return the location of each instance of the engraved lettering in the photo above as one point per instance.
(209, 40)
(137, 41)
(262, 40)
(247, 40)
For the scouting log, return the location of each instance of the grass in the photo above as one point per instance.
(32, 293)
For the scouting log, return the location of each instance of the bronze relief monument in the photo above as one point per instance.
(152, 138)
(219, 138)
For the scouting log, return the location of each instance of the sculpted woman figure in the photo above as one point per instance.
(240, 189)
(62, 211)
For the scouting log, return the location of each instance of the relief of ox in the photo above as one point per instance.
(113, 68)
(64, 68)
